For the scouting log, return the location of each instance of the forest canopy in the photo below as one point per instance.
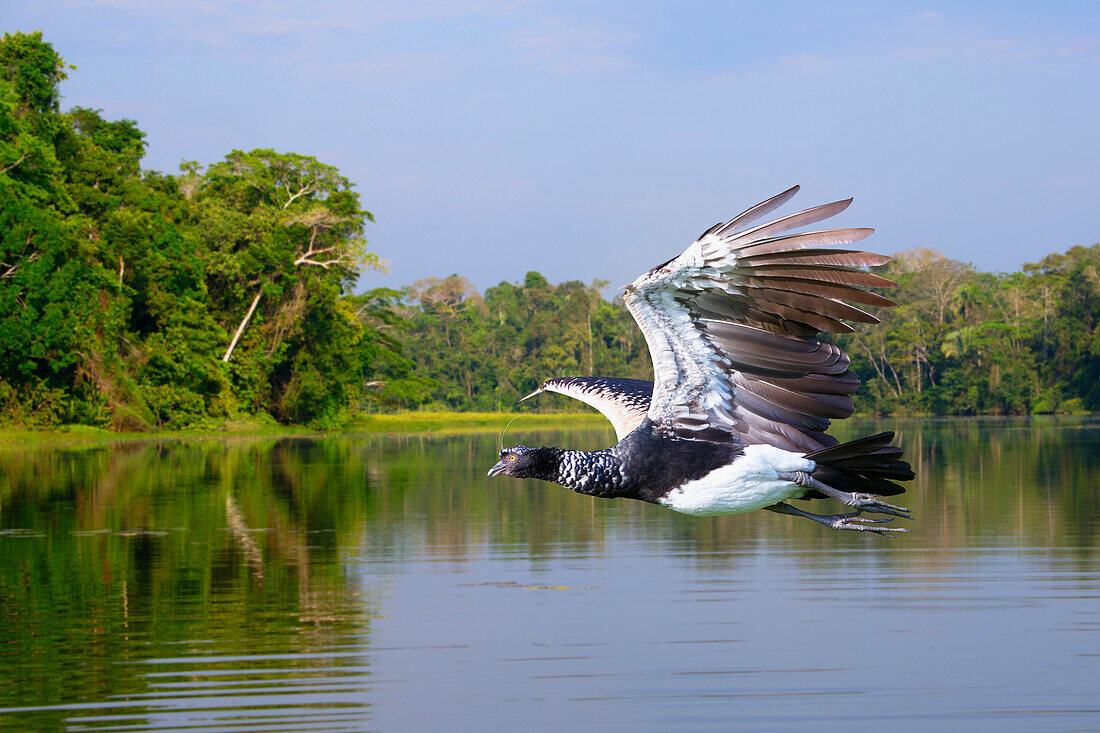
(135, 299)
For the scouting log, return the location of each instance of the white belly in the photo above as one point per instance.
(750, 482)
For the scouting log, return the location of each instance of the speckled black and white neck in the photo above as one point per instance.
(596, 473)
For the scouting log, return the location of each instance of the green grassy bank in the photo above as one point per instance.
(441, 422)
(398, 424)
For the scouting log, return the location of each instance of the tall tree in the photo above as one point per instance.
(284, 239)
(304, 216)
(121, 288)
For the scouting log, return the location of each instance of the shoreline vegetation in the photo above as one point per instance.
(400, 423)
(136, 301)
(424, 424)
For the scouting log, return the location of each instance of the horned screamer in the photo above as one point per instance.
(744, 389)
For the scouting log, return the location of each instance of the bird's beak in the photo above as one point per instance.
(496, 469)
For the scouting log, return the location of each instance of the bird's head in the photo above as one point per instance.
(524, 462)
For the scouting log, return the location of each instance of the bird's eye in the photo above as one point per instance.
(511, 458)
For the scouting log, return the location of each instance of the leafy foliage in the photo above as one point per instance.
(963, 342)
(485, 352)
(134, 299)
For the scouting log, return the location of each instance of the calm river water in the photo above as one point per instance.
(361, 582)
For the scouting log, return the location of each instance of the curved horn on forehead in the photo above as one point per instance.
(502, 432)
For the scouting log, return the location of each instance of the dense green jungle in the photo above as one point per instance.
(138, 300)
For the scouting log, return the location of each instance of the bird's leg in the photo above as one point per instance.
(860, 502)
(839, 521)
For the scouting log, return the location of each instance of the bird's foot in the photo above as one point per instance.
(859, 523)
(859, 501)
(852, 521)
(871, 503)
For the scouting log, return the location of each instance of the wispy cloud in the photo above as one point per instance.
(392, 70)
(226, 23)
(1010, 51)
(946, 37)
(557, 44)
(808, 63)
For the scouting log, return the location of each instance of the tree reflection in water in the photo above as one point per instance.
(132, 571)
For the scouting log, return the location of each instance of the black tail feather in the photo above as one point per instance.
(868, 465)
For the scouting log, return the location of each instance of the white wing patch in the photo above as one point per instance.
(624, 402)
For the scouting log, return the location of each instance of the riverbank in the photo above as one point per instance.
(465, 422)
(444, 423)
(406, 423)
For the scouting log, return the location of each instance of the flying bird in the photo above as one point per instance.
(744, 388)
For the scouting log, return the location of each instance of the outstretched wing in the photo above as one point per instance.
(624, 402)
(732, 325)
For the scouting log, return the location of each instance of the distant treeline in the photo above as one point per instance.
(959, 342)
(134, 299)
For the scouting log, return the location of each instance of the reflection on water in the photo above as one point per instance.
(374, 583)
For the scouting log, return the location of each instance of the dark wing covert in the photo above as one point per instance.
(733, 322)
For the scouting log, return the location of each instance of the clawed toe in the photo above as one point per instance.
(863, 524)
(871, 503)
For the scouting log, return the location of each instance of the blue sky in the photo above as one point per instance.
(596, 139)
